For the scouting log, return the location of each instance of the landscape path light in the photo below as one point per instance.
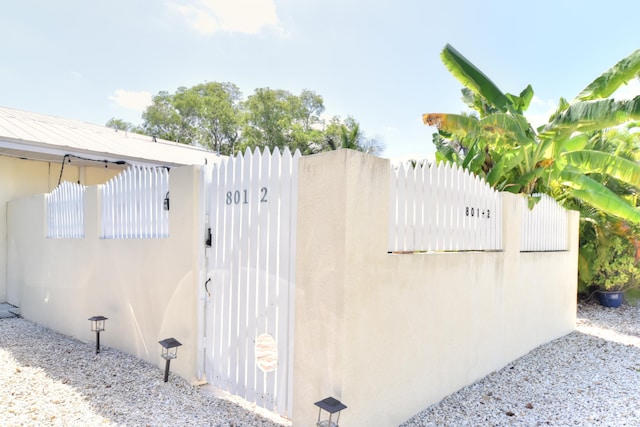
(97, 325)
(169, 351)
(332, 406)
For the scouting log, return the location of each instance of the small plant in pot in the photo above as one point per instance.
(614, 265)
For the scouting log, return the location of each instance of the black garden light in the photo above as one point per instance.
(332, 406)
(97, 325)
(169, 351)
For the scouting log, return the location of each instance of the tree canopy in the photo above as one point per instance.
(215, 115)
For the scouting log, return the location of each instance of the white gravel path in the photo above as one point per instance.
(49, 379)
(590, 377)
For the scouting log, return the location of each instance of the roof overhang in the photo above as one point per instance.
(44, 138)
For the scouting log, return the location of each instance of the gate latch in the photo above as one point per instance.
(207, 241)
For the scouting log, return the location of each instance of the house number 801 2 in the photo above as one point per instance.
(238, 197)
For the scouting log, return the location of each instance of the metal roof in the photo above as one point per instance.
(37, 136)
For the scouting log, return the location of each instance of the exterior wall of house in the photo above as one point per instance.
(21, 178)
(145, 287)
(390, 334)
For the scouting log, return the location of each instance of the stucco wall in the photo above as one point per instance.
(21, 178)
(390, 334)
(387, 334)
(145, 287)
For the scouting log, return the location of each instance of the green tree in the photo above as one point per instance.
(215, 116)
(347, 134)
(119, 124)
(277, 118)
(207, 114)
(212, 112)
(559, 158)
(162, 120)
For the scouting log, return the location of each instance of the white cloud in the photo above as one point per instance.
(137, 101)
(540, 110)
(244, 16)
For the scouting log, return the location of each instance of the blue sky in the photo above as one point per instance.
(378, 61)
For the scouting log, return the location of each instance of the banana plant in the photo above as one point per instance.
(559, 158)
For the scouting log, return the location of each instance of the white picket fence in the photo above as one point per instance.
(442, 208)
(249, 303)
(133, 204)
(545, 227)
(65, 211)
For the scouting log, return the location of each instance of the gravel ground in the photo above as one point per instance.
(49, 379)
(589, 377)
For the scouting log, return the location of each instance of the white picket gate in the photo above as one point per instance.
(442, 208)
(65, 211)
(251, 272)
(133, 204)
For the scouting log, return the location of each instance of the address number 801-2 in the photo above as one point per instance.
(238, 197)
(476, 212)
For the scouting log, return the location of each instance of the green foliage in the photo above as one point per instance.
(576, 157)
(214, 115)
(347, 134)
(118, 124)
(612, 263)
(562, 158)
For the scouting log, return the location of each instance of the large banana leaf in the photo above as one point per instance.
(504, 125)
(494, 125)
(589, 161)
(597, 195)
(510, 160)
(457, 124)
(521, 103)
(471, 77)
(587, 116)
(605, 85)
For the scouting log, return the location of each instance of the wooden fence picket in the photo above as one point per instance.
(442, 208)
(545, 227)
(65, 211)
(132, 204)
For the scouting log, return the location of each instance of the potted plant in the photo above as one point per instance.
(614, 266)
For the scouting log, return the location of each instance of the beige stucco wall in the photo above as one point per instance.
(391, 334)
(21, 178)
(387, 334)
(146, 287)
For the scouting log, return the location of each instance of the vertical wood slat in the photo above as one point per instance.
(275, 252)
(252, 269)
(442, 208)
(253, 278)
(132, 204)
(65, 211)
(545, 227)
